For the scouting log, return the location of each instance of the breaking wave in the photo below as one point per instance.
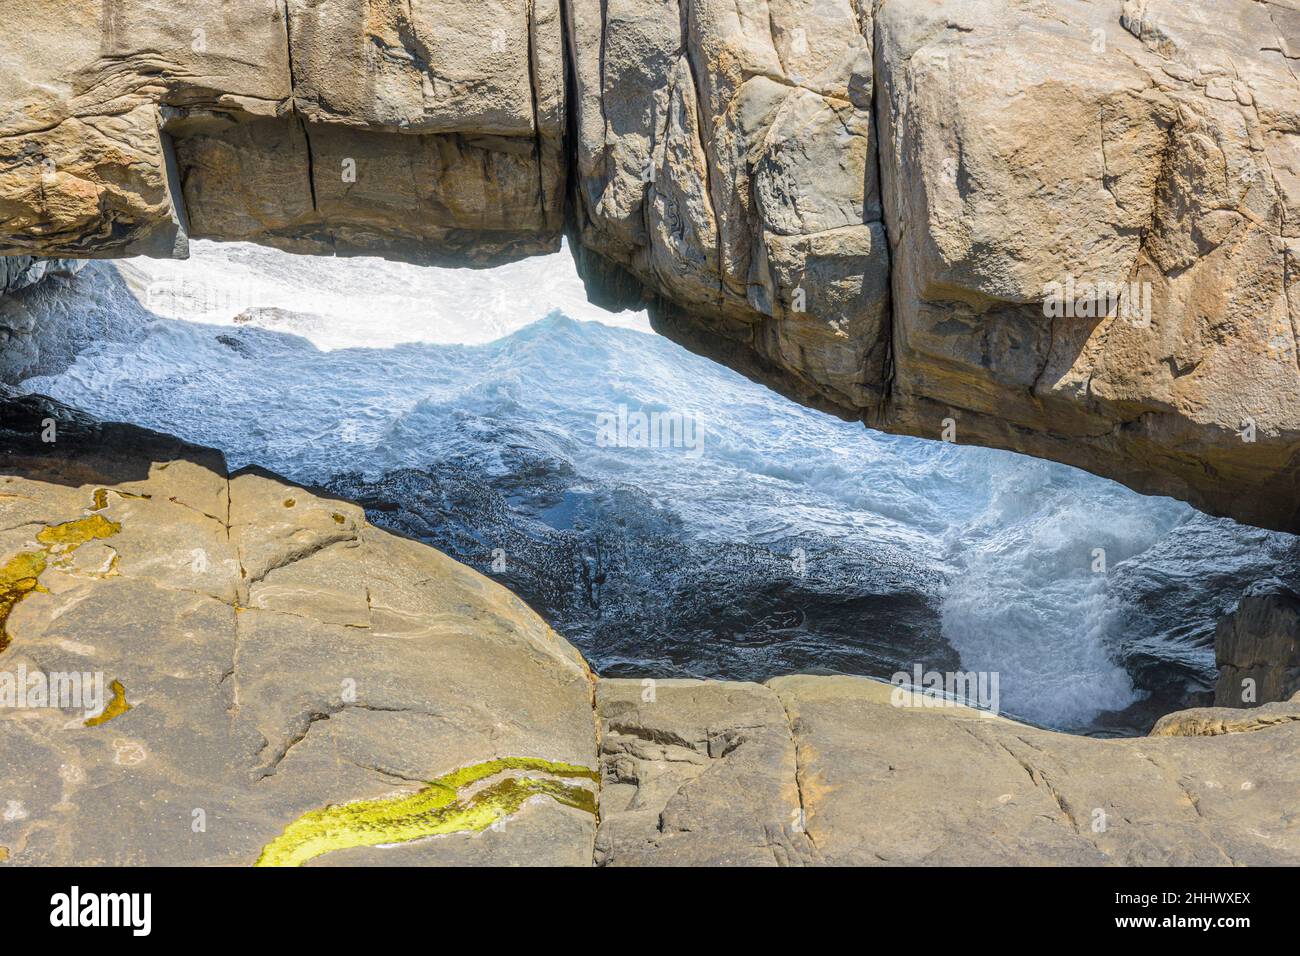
(461, 407)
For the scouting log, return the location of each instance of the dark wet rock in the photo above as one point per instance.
(626, 580)
(1257, 648)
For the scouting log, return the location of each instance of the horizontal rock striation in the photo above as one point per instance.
(427, 132)
(1068, 229)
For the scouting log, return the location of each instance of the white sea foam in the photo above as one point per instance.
(361, 365)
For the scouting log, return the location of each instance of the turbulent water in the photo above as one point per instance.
(472, 409)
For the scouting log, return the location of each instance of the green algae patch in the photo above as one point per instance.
(20, 576)
(439, 808)
(115, 708)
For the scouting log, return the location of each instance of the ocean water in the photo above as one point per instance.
(480, 411)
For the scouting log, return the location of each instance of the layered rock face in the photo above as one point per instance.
(1150, 147)
(725, 156)
(284, 684)
(1092, 215)
(1257, 648)
(430, 132)
(1068, 229)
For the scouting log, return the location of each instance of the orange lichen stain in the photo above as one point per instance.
(4, 854)
(115, 707)
(20, 576)
(101, 499)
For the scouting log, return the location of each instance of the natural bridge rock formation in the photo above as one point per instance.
(748, 161)
(1069, 229)
(286, 684)
(423, 131)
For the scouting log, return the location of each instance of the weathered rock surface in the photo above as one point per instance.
(1257, 648)
(1213, 721)
(725, 156)
(277, 654)
(289, 685)
(21, 272)
(1150, 142)
(1023, 151)
(945, 785)
(697, 773)
(1068, 229)
(430, 132)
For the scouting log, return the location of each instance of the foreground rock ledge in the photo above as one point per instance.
(864, 205)
(290, 684)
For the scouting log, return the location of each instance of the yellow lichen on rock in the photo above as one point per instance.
(115, 707)
(437, 809)
(18, 578)
(70, 535)
(20, 575)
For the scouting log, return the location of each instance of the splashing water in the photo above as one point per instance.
(463, 406)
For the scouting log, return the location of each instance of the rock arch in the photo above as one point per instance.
(861, 204)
